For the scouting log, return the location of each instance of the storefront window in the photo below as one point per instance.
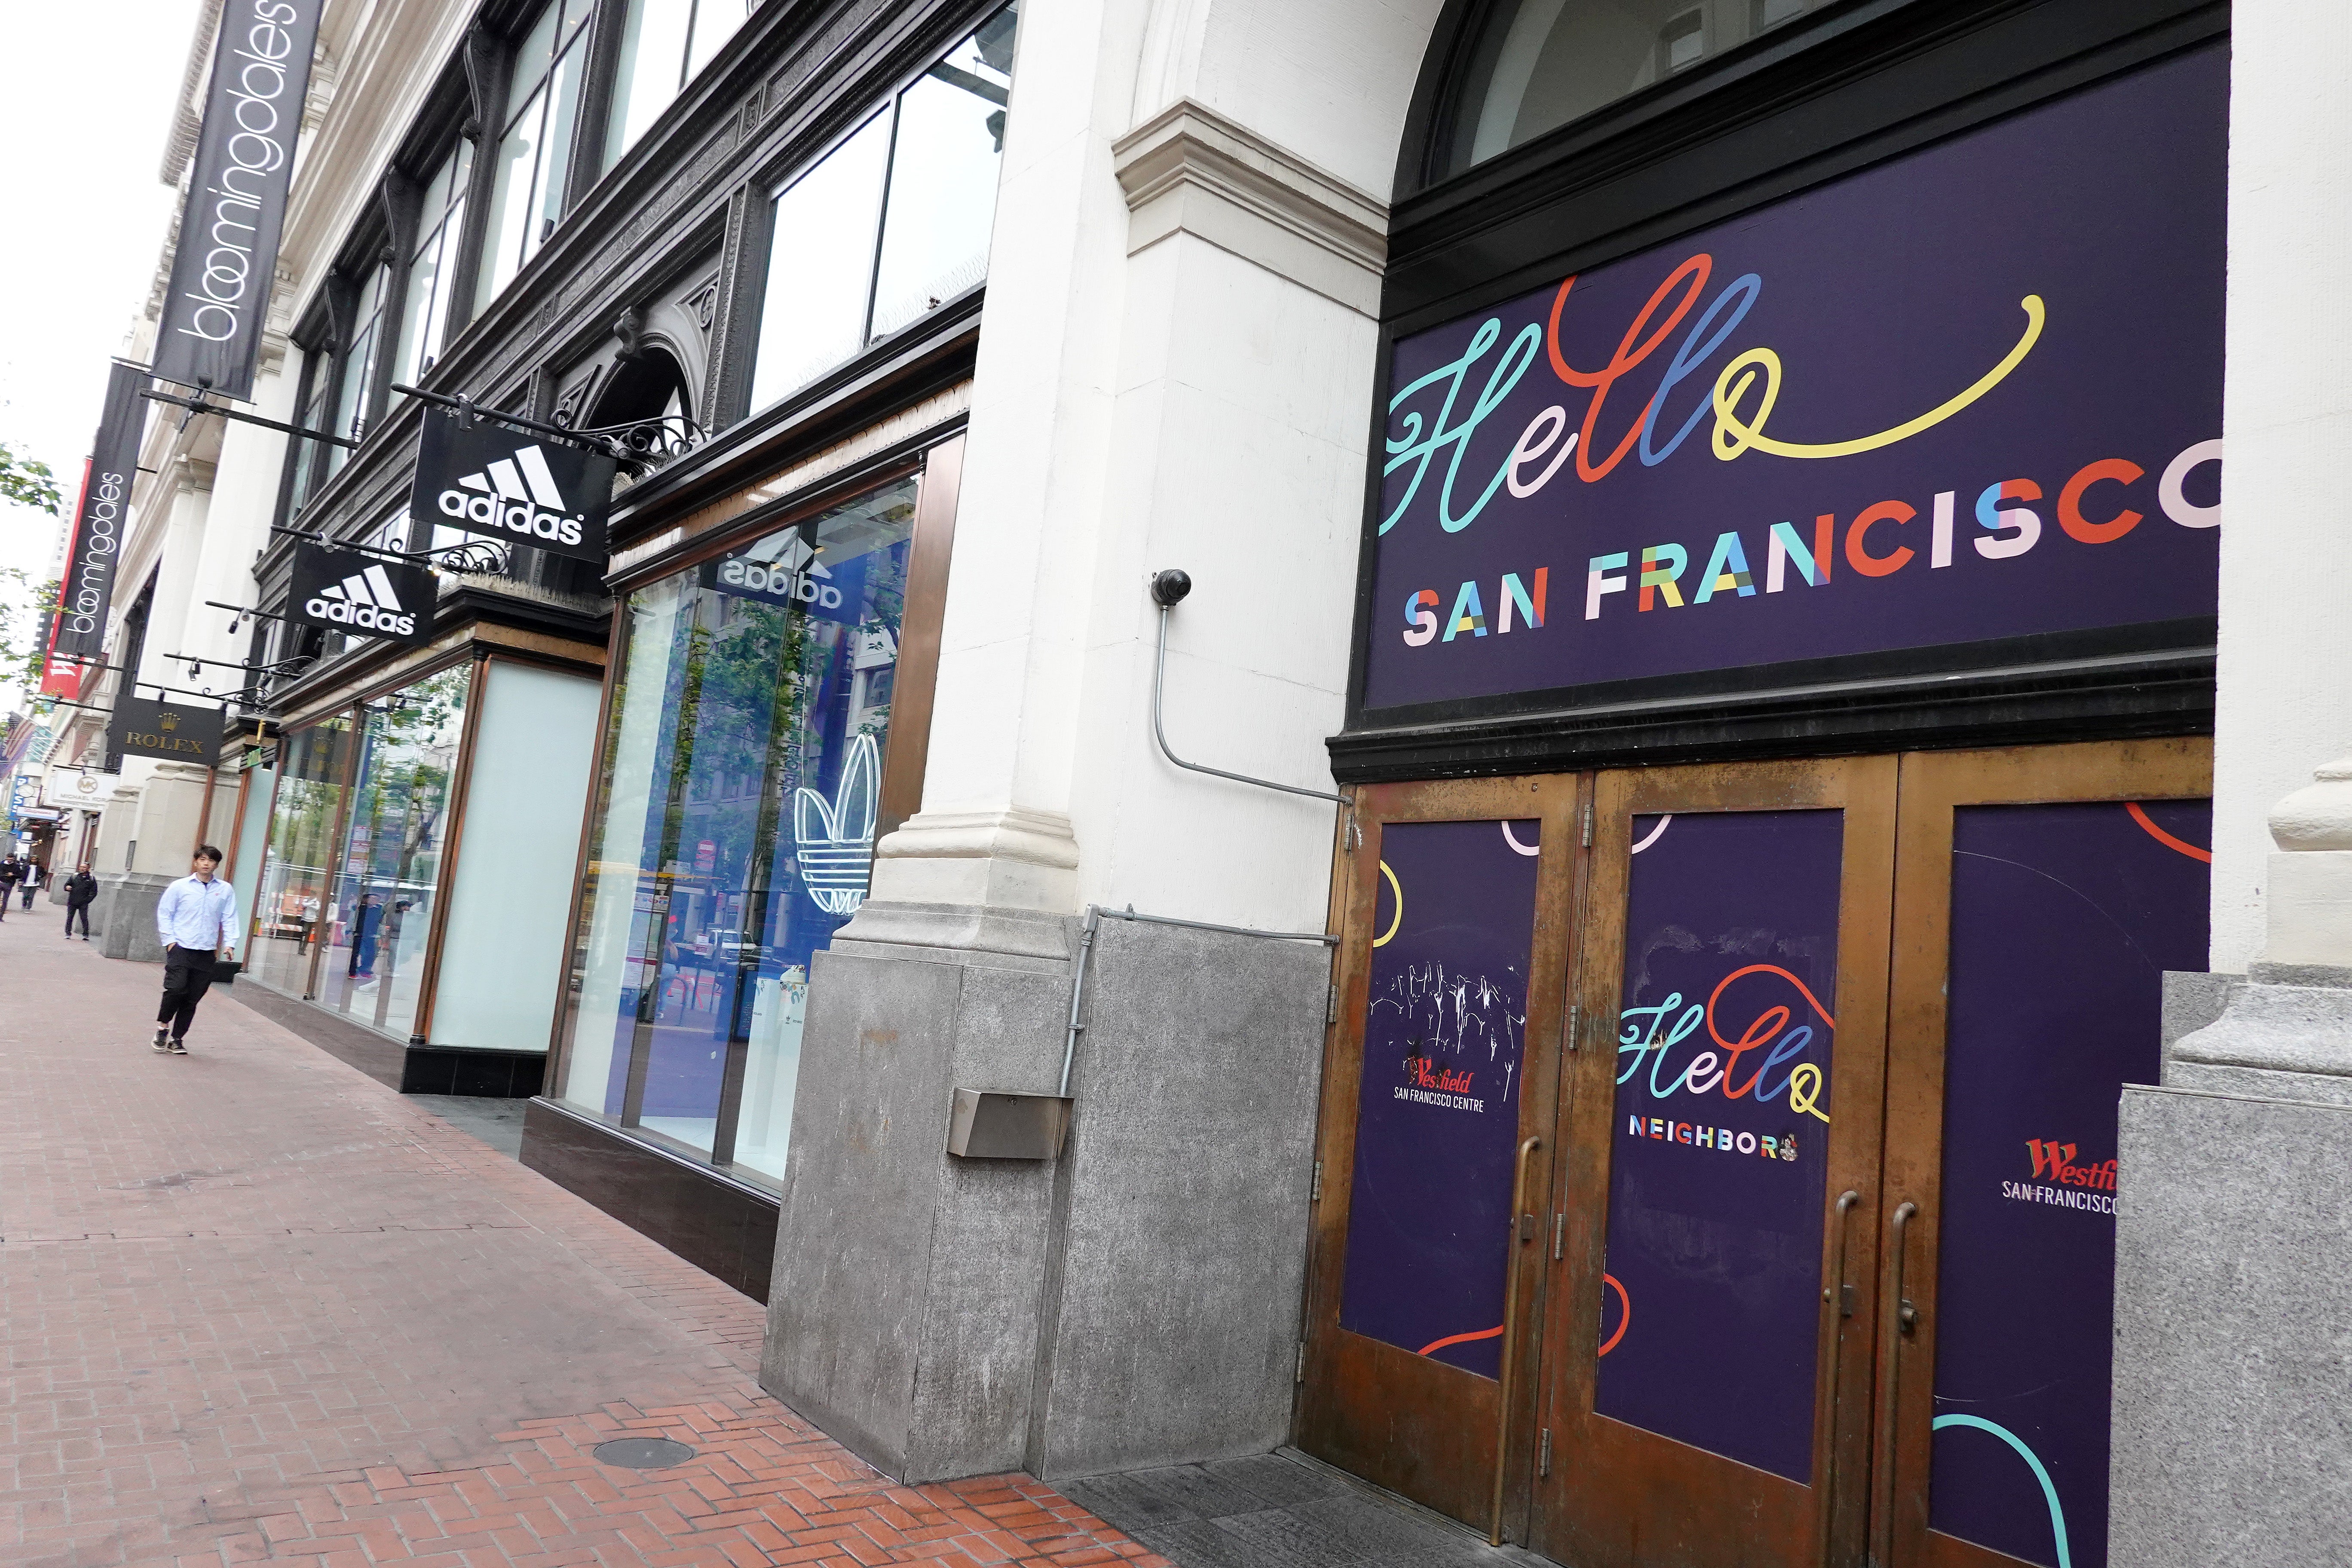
(1539, 64)
(734, 825)
(290, 905)
(918, 181)
(389, 870)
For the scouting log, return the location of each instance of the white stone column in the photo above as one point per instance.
(2286, 638)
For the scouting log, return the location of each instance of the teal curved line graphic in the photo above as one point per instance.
(2057, 1514)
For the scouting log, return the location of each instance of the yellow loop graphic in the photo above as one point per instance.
(1732, 436)
(1804, 1088)
(1382, 940)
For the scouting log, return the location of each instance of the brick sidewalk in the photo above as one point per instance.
(256, 1307)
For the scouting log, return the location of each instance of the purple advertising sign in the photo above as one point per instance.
(2063, 919)
(1437, 1118)
(1711, 1298)
(1973, 392)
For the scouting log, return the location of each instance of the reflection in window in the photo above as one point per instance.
(1539, 64)
(359, 362)
(820, 265)
(289, 907)
(734, 826)
(388, 868)
(664, 45)
(935, 152)
(311, 458)
(425, 320)
(534, 146)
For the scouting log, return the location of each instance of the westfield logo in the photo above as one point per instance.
(2055, 1162)
(517, 494)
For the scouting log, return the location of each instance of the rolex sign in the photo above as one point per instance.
(175, 731)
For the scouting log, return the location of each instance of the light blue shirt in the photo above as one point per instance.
(198, 915)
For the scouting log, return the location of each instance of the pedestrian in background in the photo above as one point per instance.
(81, 888)
(32, 881)
(12, 871)
(196, 921)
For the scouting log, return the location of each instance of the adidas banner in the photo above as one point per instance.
(360, 595)
(512, 485)
(219, 300)
(176, 731)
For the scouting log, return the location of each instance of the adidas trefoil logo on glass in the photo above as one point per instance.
(517, 494)
(365, 601)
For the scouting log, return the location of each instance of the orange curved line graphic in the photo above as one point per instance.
(1763, 969)
(2167, 839)
(1624, 1318)
(1493, 1334)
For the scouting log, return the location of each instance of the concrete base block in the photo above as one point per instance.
(1134, 1302)
(2233, 1333)
(127, 901)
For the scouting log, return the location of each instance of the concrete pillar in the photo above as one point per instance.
(1177, 370)
(165, 812)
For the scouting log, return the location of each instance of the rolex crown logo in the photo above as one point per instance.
(168, 720)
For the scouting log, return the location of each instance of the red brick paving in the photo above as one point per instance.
(256, 1307)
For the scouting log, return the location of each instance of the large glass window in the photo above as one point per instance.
(733, 826)
(664, 45)
(891, 223)
(360, 363)
(424, 322)
(311, 458)
(388, 868)
(1539, 64)
(534, 145)
(290, 907)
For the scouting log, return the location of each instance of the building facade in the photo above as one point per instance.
(1511, 739)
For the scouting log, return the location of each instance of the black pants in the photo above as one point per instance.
(29, 890)
(187, 976)
(76, 913)
(8, 896)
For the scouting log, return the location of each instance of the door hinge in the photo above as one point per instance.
(1575, 1018)
(1543, 1457)
(1588, 825)
(1299, 1373)
(1315, 1189)
(1332, 1005)
(1558, 1231)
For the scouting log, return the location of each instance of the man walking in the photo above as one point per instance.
(196, 921)
(32, 881)
(12, 871)
(81, 890)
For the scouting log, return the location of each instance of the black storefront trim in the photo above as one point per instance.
(722, 1226)
(1851, 85)
(412, 1070)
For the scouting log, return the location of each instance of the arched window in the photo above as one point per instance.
(1537, 64)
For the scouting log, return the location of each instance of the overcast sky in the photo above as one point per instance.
(89, 93)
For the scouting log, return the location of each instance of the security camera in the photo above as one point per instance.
(1168, 587)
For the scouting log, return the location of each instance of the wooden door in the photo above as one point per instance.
(2040, 893)
(1437, 1135)
(1706, 1397)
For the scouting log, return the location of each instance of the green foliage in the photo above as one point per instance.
(21, 649)
(28, 482)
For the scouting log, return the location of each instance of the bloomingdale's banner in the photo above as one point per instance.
(218, 302)
(1973, 392)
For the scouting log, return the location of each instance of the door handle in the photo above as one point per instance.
(1841, 1293)
(1907, 1316)
(1522, 1232)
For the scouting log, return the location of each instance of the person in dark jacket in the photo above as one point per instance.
(12, 871)
(32, 881)
(81, 888)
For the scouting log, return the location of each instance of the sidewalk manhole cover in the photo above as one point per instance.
(643, 1453)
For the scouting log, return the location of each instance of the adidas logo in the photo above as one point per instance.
(795, 574)
(836, 837)
(366, 601)
(517, 494)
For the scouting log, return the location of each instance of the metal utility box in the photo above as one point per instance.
(989, 1124)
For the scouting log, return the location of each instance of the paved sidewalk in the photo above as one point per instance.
(256, 1307)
